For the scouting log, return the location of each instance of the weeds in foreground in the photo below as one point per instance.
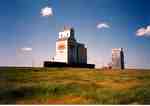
(71, 86)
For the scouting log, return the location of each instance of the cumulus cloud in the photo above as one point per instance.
(46, 11)
(103, 25)
(26, 49)
(143, 31)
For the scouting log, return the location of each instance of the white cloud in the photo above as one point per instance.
(143, 31)
(102, 25)
(46, 11)
(26, 49)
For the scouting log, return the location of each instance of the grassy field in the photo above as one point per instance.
(73, 86)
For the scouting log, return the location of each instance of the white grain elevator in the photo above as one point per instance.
(68, 50)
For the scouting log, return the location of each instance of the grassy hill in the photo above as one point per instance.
(73, 86)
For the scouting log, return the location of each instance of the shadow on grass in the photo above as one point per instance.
(11, 96)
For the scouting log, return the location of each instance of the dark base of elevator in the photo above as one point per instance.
(61, 65)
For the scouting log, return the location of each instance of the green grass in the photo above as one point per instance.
(73, 86)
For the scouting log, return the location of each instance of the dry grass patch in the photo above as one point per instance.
(122, 85)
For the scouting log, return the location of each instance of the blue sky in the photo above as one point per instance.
(23, 26)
